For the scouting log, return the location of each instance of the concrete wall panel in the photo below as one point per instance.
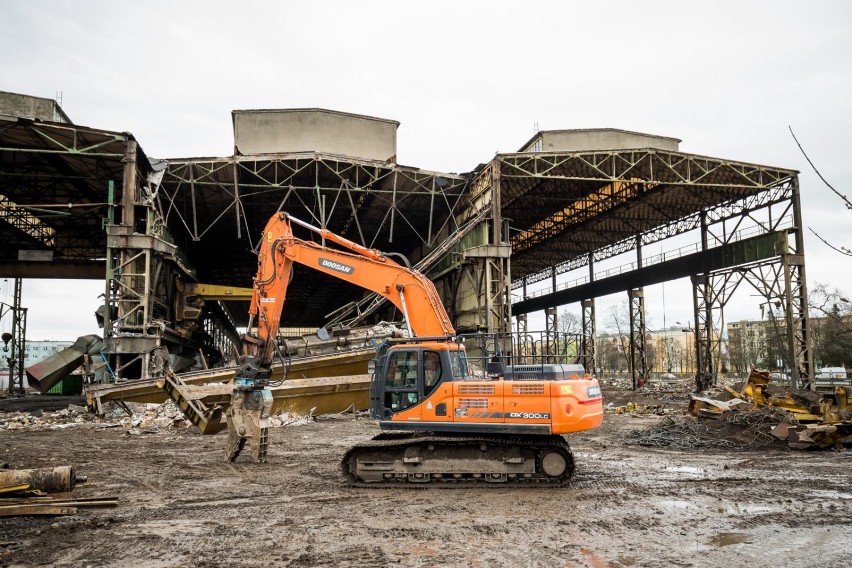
(25, 106)
(314, 130)
(597, 139)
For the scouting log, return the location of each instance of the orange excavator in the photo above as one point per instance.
(442, 420)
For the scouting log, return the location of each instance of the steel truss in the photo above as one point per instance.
(638, 361)
(379, 205)
(587, 345)
(618, 201)
(326, 190)
(53, 190)
(551, 333)
(780, 281)
(724, 226)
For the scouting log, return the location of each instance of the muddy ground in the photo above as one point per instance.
(629, 505)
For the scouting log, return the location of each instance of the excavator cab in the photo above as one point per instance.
(404, 375)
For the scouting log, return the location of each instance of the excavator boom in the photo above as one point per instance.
(410, 291)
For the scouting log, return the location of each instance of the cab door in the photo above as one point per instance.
(402, 384)
(437, 391)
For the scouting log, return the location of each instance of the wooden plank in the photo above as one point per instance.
(34, 509)
(83, 502)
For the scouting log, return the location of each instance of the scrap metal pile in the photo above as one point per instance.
(756, 417)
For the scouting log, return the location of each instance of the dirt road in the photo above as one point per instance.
(180, 505)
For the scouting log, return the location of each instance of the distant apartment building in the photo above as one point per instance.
(667, 350)
(747, 345)
(674, 350)
(36, 351)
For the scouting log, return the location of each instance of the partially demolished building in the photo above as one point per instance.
(173, 239)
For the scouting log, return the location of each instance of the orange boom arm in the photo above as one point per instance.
(410, 291)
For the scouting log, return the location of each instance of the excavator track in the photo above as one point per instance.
(428, 459)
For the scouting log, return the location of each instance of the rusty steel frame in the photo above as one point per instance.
(399, 208)
(638, 361)
(748, 198)
(17, 346)
(53, 188)
(587, 346)
(781, 280)
(277, 177)
(736, 210)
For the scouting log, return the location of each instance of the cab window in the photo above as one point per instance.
(432, 371)
(402, 370)
(401, 382)
(458, 364)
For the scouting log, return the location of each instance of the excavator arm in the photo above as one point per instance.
(411, 292)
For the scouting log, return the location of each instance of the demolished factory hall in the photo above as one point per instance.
(174, 237)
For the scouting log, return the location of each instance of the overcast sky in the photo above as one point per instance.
(465, 79)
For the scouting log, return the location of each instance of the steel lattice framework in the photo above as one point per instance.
(54, 195)
(570, 210)
(228, 201)
(93, 202)
(603, 200)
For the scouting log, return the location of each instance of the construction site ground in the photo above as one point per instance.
(180, 504)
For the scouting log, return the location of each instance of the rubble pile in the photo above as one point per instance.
(810, 421)
(136, 418)
(37, 420)
(676, 392)
(153, 417)
(634, 408)
(736, 430)
(754, 416)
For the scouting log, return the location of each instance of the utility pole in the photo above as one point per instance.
(14, 343)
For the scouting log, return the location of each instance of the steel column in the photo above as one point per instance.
(638, 362)
(587, 349)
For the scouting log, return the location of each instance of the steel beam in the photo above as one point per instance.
(589, 339)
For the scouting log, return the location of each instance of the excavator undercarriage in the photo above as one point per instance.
(409, 459)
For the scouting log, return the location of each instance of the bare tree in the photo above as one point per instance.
(831, 325)
(569, 327)
(618, 321)
(569, 323)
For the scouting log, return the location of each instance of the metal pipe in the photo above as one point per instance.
(50, 480)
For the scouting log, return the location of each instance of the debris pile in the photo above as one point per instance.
(734, 430)
(136, 418)
(151, 418)
(38, 420)
(635, 408)
(755, 417)
(678, 386)
(808, 422)
(676, 391)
